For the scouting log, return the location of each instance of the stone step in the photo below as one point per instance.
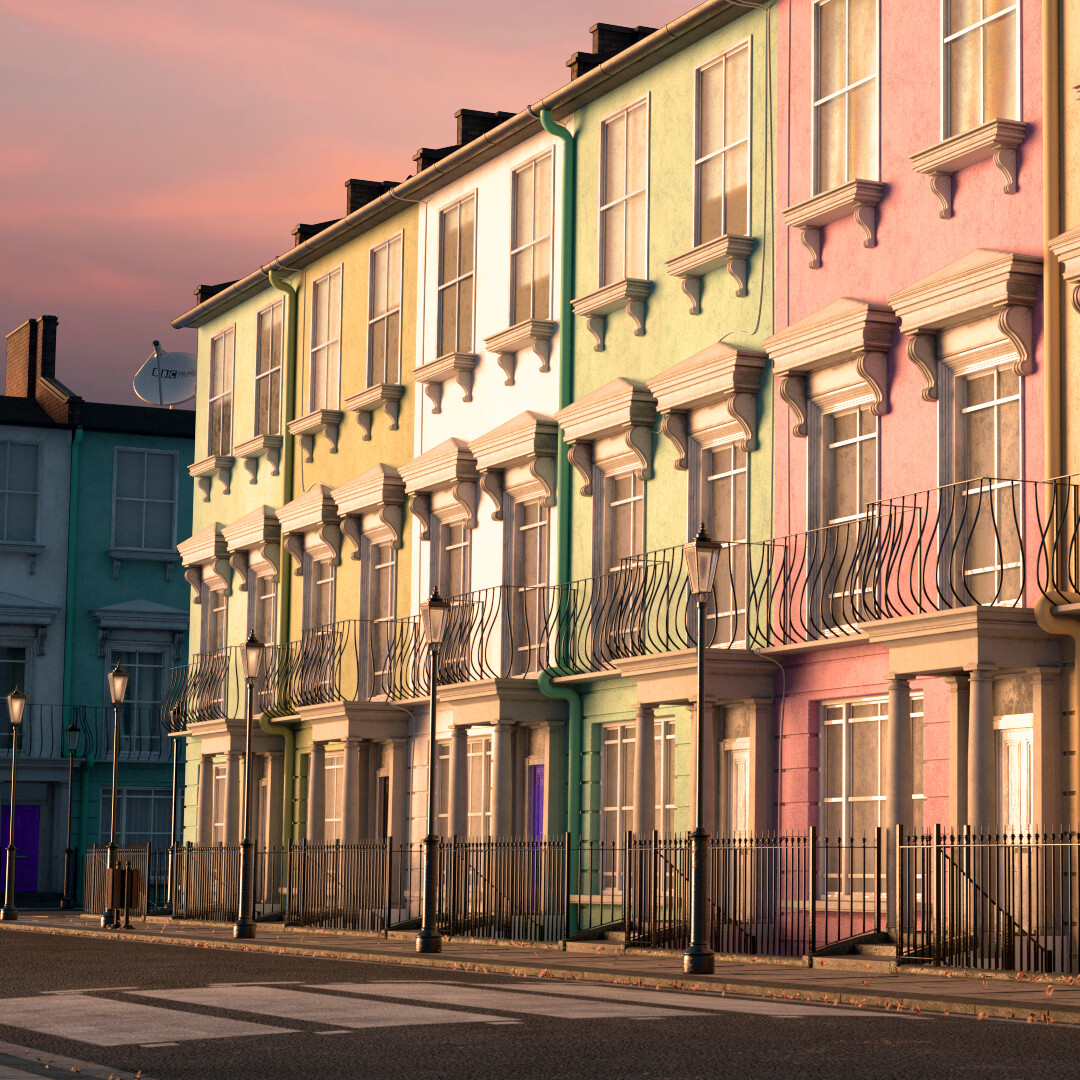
(854, 962)
(885, 950)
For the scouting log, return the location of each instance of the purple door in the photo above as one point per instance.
(27, 825)
(536, 801)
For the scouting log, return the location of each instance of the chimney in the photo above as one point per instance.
(471, 124)
(204, 292)
(360, 192)
(608, 39)
(425, 157)
(31, 353)
(306, 232)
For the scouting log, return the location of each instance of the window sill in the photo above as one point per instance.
(364, 404)
(729, 252)
(459, 366)
(15, 547)
(268, 446)
(860, 198)
(630, 293)
(534, 334)
(322, 421)
(220, 465)
(119, 555)
(997, 139)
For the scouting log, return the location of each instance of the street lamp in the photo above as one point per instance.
(433, 615)
(71, 740)
(701, 556)
(16, 702)
(174, 729)
(118, 684)
(244, 927)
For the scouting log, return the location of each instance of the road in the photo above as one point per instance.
(177, 1013)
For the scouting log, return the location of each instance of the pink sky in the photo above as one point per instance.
(152, 146)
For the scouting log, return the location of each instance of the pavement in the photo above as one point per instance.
(950, 992)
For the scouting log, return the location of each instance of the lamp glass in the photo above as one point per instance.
(702, 555)
(71, 734)
(16, 702)
(118, 684)
(433, 616)
(253, 656)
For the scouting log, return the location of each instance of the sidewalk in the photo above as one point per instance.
(1035, 998)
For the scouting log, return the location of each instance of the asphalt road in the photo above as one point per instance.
(174, 1013)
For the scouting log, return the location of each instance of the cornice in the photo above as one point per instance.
(254, 543)
(205, 558)
(268, 446)
(371, 504)
(450, 468)
(519, 457)
(730, 252)
(534, 334)
(630, 293)
(442, 369)
(1067, 249)
(204, 471)
(321, 421)
(311, 523)
(859, 198)
(364, 404)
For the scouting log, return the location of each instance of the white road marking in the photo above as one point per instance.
(340, 1031)
(321, 1008)
(684, 1000)
(90, 990)
(104, 1022)
(475, 997)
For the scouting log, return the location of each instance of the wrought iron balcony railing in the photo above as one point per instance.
(142, 734)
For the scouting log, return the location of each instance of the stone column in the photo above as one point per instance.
(1047, 807)
(760, 778)
(316, 809)
(350, 826)
(233, 769)
(555, 821)
(204, 833)
(897, 752)
(959, 705)
(982, 774)
(502, 779)
(458, 801)
(364, 826)
(398, 752)
(644, 771)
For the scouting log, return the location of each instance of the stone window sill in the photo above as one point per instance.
(203, 472)
(534, 334)
(320, 422)
(459, 366)
(364, 404)
(119, 555)
(725, 252)
(268, 446)
(997, 139)
(630, 293)
(860, 198)
(15, 547)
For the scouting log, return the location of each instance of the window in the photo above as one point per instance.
(12, 668)
(334, 797)
(219, 807)
(442, 789)
(382, 604)
(143, 816)
(624, 520)
(268, 371)
(326, 341)
(850, 482)
(530, 244)
(845, 92)
(722, 158)
(457, 237)
(723, 509)
(624, 207)
(852, 786)
(18, 492)
(981, 62)
(991, 424)
(454, 560)
(214, 614)
(262, 606)
(140, 717)
(318, 592)
(221, 388)
(144, 500)
(617, 764)
(479, 764)
(530, 558)
(664, 775)
(384, 318)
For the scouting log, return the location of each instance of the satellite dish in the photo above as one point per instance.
(167, 378)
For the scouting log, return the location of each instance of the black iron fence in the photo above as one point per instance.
(151, 866)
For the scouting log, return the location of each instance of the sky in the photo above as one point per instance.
(148, 147)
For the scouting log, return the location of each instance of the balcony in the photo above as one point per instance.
(142, 735)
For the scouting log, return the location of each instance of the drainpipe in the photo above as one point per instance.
(1051, 623)
(1052, 134)
(562, 483)
(286, 731)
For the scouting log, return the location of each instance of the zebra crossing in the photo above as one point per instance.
(171, 1017)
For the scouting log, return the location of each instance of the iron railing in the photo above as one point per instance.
(151, 866)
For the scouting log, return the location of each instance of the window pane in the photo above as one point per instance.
(393, 346)
(637, 148)
(542, 280)
(962, 13)
(710, 199)
(834, 761)
(614, 159)
(831, 167)
(964, 83)
(999, 69)
(449, 268)
(864, 761)
(736, 195)
(832, 47)
(980, 443)
(465, 314)
(394, 289)
(1008, 465)
(736, 98)
(129, 473)
(612, 224)
(468, 218)
(378, 351)
(379, 281)
(448, 320)
(862, 43)
(711, 101)
(543, 197)
(844, 481)
(862, 133)
(522, 270)
(635, 236)
(523, 218)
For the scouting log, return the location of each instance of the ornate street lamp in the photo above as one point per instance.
(71, 742)
(174, 729)
(16, 702)
(118, 684)
(244, 927)
(433, 618)
(701, 556)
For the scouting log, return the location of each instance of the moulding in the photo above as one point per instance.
(254, 543)
(121, 555)
(385, 395)
(859, 198)
(311, 524)
(372, 505)
(205, 557)
(518, 457)
(141, 615)
(268, 446)
(23, 611)
(204, 471)
(998, 139)
(730, 252)
(630, 293)
(534, 334)
(448, 469)
(322, 421)
(1067, 249)
(459, 366)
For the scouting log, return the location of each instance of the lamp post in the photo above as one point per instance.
(701, 558)
(174, 727)
(16, 701)
(71, 739)
(118, 684)
(433, 618)
(244, 927)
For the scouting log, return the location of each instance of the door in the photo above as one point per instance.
(1014, 780)
(536, 802)
(27, 831)
(735, 811)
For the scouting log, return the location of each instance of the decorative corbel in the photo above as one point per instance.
(420, 505)
(635, 308)
(40, 633)
(102, 641)
(674, 426)
(193, 576)
(742, 408)
(351, 527)
(508, 362)
(491, 483)
(793, 391)
(434, 392)
(811, 240)
(639, 442)
(238, 560)
(1005, 160)
(595, 325)
(873, 369)
(543, 470)
(1015, 323)
(466, 495)
(307, 445)
(206, 484)
(329, 533)
(691, 287)
(115, 569)
(866, 218)
(251, 464)
(580, 455)
(941, 184)
(922, 350)
(177, 645)
(294, 545)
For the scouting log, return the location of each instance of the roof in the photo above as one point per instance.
(99, 416)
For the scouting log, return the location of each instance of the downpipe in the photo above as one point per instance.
(1062, 626)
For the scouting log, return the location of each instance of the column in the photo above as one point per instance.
(458, 801)
(398, 752)
(232, 798)
(365, 828)
(760, 780)
(897, 751)
(502, 779)
(555, 821)
(315, 806)
(644, 771)
(204, 832)
(959, 705)
(982, 775)
(350, 826)
(1047, 807)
